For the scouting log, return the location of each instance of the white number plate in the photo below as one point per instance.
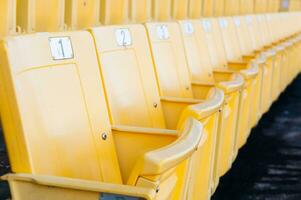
(61, 48)
(206, 25)
(123, 37)
(237, 21)
(188, 28)
(162, 32)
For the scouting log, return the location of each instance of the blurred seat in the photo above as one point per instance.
(180, 9)
(81, 14)
(161, 10)
(195, 9)
(40, 15)
(237, 62)
(140, 11)
(221, 62)
(114, 11)
(201, 70)
(208, 8)
(174, 82)
(7, 17)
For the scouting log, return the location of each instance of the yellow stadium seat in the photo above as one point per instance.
(161, 10)
(284, 28)
(140, 11)
(234, 53)
(133, 95)
(58, 128)
(277, 55)
(7, 17)
(248, 25)
(114, 11)
(260, 6)
(208, 8)
(40, 15)
(81, 14)
(180, 9)
(221, 60)
(199, 63)
(195, 9)
(174, 82)
(231, 7)
(246, 6)
(246, 44)
(219, 7)
(273, 6)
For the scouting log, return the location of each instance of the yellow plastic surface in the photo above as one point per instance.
(195, 9)
(140, 11)
(40, 15)
(208, 8)
(81, 14)
(174, 81)
(161, 10)
(71, 120)
(114, 11)
(201, 71)
(231, 7)
(128, 73)
(219, 7)
(246, 6)
(7, 17)
(219, 60)
(180, 9)
(236, 62)
(260, 6)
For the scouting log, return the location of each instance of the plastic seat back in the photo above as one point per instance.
(246, 6)
(197, 54)
(53, 107)
(40, 15)
(133, 98)
(231, 8)
(230, 38)
(252, 27)
(140, 11)
(128, 76)
(263, 29)
(215, 43)
(195, 9)
(244, 37)
(219, 7)
(208, 8)
(114, 11)
(161, 10)
(7, 17)
(273, 6)
(180, 9)
(174, 81)
(169, 60)
(260, 6)
(81, 14)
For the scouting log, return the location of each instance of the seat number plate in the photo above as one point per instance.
(223, 23)
(206, 25)
(123, 37)
(162, 32)
(61, 48)
(188, 28)
(237, 21)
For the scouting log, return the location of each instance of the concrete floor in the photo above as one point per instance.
(267, 168)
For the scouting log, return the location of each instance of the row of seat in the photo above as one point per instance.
(58, 15)
(153, 111)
